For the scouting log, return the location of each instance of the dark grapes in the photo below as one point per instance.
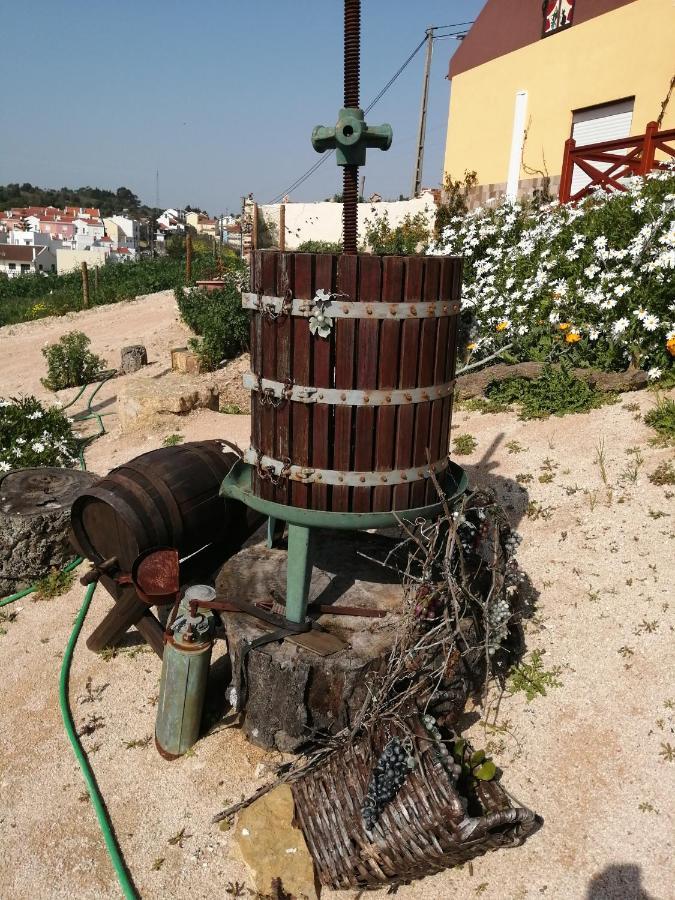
(388, 777)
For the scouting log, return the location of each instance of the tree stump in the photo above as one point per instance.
(286, 691)
(133, 358)
(35, 522)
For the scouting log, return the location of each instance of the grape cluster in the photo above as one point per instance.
(452, 768)
(511, 543)
(388, 776)
(498, 614)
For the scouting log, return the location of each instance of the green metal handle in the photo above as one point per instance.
(351, 137)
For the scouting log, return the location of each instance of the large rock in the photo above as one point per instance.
(35, 522)
(142, 401)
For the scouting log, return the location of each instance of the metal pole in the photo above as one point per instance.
(422, 130)
(254, 230)
(350, 185)
(85, 286)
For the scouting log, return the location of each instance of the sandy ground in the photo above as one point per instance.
(590, 757)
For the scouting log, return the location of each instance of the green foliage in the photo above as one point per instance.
(232, 409)
(70, 363)
(171, 440)
(320, 247)
(533, 678)
(109, 202)
(662, 418)
(29, 297)
(217, 317)
(663, 474)
(454, 200)
(410, 237)
(557, 391)
(54, 584)
(464, 444)
(34, 435)
(591, 283)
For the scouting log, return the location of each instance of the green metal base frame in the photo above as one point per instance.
(238, 486)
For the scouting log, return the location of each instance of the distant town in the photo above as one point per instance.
(45, 239)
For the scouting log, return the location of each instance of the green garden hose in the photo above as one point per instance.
(105, 825)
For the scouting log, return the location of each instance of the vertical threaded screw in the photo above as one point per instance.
(350, 190)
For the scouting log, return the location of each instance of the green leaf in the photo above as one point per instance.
(477, 758)
(486, 772)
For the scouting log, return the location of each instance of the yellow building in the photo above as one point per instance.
(529, 75)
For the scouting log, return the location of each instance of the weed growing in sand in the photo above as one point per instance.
(626, 651)
(178, 838)
(556, 392)
(480, 404)
(232, 409)
(172, 439)
(630, 474)
(533, 678)
(536, 511)
(631, 407)
(524, 478)
(157, 864)
(649, 626)
(601, 459)
(667, 752)
(663, 474)
(662, 418)
(657, 513)
(515, 447)
(6, 618)
(645, 806)
(54, 584)
(137, 742)
(464, 444)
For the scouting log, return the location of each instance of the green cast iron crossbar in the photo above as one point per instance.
(238, 486)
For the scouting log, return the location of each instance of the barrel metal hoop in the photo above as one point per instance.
(308, 475)
(267, 388)
(348, 309)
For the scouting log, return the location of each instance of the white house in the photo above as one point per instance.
(22, 260)
(172, 220)
(123, 231)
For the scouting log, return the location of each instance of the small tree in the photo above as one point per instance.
(410, 237)
(455, 200)
(70, 363)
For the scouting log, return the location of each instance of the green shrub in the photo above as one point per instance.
(556, 392)
(320, 247)
(34, 435)
(30, 296)
(464, 444)
(70, 363)
(410, 237)
(662, 418)
(217, 318)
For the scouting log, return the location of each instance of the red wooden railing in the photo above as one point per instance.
(638, 158)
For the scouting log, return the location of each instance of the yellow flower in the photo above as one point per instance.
(471, 346)
(564, 326)
(572, 337)
(502, 326)
(670, 344)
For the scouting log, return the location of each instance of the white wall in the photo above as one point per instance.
(323, 221)
(68, 260)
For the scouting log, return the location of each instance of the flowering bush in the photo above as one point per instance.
(70, 363)
(34, 435)
(591, 283)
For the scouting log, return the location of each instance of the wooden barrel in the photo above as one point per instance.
(167, 497)
(349, 420)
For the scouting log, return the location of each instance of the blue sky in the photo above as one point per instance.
(220, 96)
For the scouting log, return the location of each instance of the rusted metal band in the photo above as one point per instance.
(277, 468)
(342, 309)
(347, 397)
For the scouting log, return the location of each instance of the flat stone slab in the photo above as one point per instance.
(142, 401)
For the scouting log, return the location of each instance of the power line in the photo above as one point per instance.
(296, 184)
(326, 156)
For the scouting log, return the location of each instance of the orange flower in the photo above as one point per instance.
(671, 346)
(564, 326)
(502, 326)
(572, 337)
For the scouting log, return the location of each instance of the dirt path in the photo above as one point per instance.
(591, 756)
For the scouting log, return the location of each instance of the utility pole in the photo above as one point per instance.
(422, 130)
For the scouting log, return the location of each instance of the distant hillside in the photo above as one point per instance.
(109, 202)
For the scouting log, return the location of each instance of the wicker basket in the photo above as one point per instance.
(421, 832)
